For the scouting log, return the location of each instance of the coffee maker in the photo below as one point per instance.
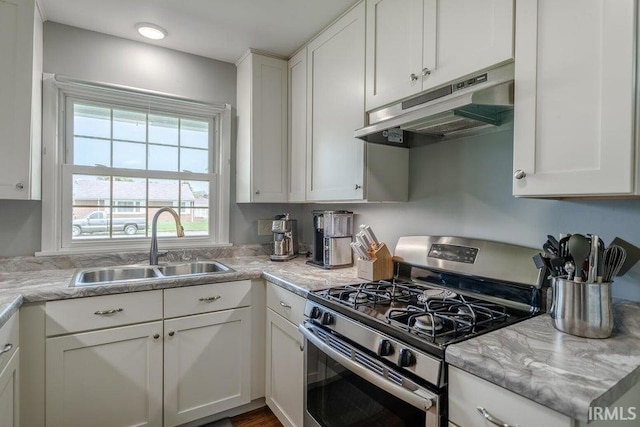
(332, 236)
(285, 238)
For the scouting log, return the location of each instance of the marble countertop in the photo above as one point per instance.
(560, 371)
(563, 372)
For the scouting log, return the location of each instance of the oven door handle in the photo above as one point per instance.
(424, 400)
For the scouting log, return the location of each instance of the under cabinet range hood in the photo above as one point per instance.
(462, 107)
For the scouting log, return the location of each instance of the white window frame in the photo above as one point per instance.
(56, 198)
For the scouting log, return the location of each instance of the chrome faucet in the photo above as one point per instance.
(153, 252)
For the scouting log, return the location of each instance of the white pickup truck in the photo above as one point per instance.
(98, 222)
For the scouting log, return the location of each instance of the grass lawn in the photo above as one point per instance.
(188, 226)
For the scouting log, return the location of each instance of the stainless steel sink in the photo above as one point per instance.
(136, 273)
(192, 268)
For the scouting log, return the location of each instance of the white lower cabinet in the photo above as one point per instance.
(467, 393)
(207, 360)
(156, 372)
(107, 378)
(285, 363)
(10, 393)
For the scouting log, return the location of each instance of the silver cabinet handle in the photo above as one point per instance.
(284, 304)
(7, 348)
(413, 77)
(210, 299)
(156, 336)
(492, 419)
(519, 174)
(357, 187)
(172, 333)
(108, 312)
(426, 72)
(257, 191)
(19, 186)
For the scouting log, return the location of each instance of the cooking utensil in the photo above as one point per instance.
(633, 255)
(360, 251)
(592, 273)
(369, 233)
(364, 240)
(550, 249)
(614, 257)
(563, 250)
(553, 241)
(570, 268)
(579, 249)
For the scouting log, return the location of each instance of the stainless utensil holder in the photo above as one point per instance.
(582, 309)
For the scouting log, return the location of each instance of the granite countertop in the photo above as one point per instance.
(48, 284)
(563, 372)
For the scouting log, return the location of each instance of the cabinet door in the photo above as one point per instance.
(10, 393)
(262, 130)
(207, 364)
(298, 126)
(284, 394)
(20, 77)
(109, 378)
(574, 115)
(394, 50)
(335, 67)
(465, 36)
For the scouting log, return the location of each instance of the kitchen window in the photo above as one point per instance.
(122, 154)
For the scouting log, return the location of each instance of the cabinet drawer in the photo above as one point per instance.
(9, 335)
(84, 314)
(202, 299)
(468, 392)
(285, 303)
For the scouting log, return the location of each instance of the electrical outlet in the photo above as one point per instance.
(264, 227)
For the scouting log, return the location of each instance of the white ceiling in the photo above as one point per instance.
(219, 29)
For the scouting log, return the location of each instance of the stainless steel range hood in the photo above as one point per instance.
(462, 107)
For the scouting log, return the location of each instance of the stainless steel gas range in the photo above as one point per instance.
(374, 352)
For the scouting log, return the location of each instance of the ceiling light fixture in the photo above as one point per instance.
(151, 31)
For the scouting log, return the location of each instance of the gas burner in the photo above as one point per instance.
(428, 323)
(397, 292)
(440, 294)
(464, 310)
(358, 297)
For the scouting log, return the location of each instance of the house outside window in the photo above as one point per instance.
(122, 155)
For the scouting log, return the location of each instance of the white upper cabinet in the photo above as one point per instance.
(261, 164)
(339, 166)
(20, 99)
(297, 126)
(575, 98)
(415, 45)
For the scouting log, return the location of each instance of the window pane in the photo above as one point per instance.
(90, 223)
(163, 158)
(90, 190)
(194, 133)
(89, 120)
(163, 192)
(129, 155)
(166, 225)
(129, 125)
(132, 189)
(163, 130)
(192, 160)
(199, 189)
(195, 221)
(91, 152)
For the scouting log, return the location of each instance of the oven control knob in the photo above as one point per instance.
(327, 319)
(315, 313)
(385, 348)
(406, 358)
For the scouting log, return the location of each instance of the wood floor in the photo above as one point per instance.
(262, 417)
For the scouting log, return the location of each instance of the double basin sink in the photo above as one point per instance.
(134, 273)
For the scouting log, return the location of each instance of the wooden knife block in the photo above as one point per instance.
(380, 267)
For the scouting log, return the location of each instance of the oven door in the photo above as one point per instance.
(343, 386)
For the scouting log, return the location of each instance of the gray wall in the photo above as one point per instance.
(463, 188)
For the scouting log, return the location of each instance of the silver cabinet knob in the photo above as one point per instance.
(257, 191)
(519, 174)
(357, 187)
(171, 333)
(156, 336)
(19, 186)
(413, 77)
(426, 72)
(7, 348)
